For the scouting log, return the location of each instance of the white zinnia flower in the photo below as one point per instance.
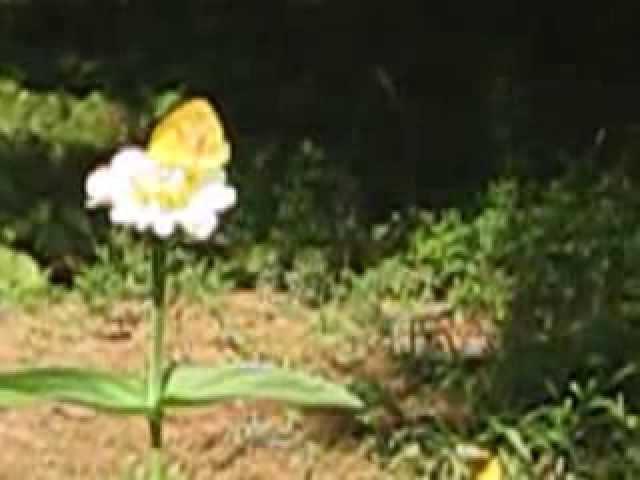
(147, 195)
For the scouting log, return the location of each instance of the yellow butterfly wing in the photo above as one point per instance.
(192, 137)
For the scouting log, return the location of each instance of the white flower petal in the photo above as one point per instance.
(126, 210)
(98, 187)
(123, 214)
(163, 225)
(130, 160)
(201, 226)
(216, 196)
(143, 221)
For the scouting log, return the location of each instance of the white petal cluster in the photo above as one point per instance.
(145, 195)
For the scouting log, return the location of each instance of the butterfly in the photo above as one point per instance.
(191, 137)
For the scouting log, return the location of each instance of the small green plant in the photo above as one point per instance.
(458, 257)
(137, 470)
(21, 278)
(120, 270)
(169, 187)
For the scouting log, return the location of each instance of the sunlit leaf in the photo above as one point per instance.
(83, 387)
(515, 439)
(190, 385)
(20, 275)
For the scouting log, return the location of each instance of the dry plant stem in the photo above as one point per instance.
(155, 380)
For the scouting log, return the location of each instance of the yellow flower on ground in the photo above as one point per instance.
(484, 464)
(178, 182)
(491, 470)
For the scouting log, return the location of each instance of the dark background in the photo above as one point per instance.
(422, 101)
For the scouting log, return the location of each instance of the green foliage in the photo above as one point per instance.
(583, 433)
(191, 385)
(573, 308)
(520, 246)
(556, 264)
(454, 256)
(47, 142)
(121, 270)
(311, 277)
(21, 278)
(57, 121)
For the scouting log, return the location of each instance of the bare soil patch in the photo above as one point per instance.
(234, 441)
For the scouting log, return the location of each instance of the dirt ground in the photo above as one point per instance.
(233, 441)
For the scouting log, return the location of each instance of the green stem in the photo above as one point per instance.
(157, 462)
(158, 288)
(156, 457)
(156, 362)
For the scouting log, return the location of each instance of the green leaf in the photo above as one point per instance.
(103, 391)
(190, 385)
